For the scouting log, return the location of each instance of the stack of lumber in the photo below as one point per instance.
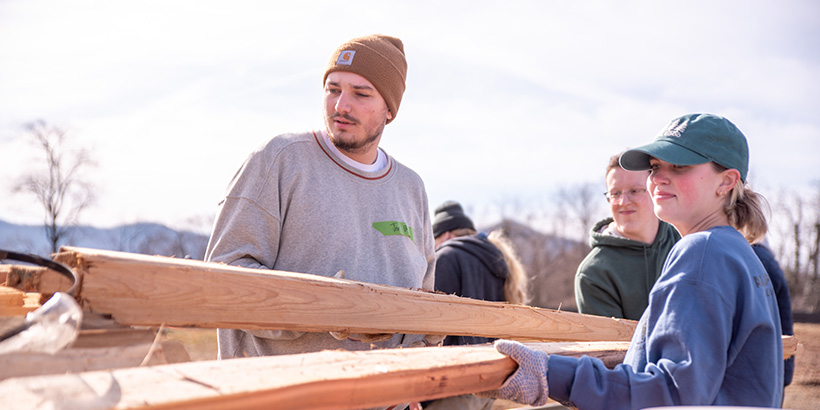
(101, 342)
(138, 293)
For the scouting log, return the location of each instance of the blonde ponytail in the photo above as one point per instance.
(745, 212)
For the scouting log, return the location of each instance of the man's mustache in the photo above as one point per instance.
(345, 116)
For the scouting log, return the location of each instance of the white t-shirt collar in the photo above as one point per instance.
(381, 159)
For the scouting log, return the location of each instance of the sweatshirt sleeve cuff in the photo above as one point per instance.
(561, 376)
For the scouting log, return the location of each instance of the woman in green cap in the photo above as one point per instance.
(711, 334)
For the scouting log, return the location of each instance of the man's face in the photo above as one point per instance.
(632, 210)
(355, 115)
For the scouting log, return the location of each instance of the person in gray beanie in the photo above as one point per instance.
(330, 200)
(478, 266)
(449, 216)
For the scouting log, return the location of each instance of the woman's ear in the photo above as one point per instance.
(729, 180)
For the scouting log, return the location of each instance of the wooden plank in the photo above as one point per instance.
(15, 302)
(76, 360)
(34, 279)
(322, 380)
(165, 289)
(791, 347)
(90, 338)
(10, 297)
(145, 290)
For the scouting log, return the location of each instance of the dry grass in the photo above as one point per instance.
(802, 394)
(200, 343)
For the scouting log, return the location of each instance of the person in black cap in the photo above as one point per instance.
(477, 266)
(711, 334)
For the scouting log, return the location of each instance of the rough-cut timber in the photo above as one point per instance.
(152, 290)
(15, 302)
(75, 360)
(34, 279)
(323, 380)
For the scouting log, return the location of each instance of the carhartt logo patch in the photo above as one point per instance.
(345, 57)
(674, 129)
(388, 228)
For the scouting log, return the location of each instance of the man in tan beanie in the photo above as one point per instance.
(366, 74)
(331, 200)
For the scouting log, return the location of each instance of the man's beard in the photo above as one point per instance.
(354, 146)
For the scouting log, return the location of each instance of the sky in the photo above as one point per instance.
(506, 102)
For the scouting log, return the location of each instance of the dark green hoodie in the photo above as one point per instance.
(615, 278)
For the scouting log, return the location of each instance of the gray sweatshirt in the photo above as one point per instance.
(296, 206)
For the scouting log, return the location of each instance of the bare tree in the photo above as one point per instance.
(579, 207)
(552, 255)
(795, 228)
(813, 250)
(59, 187)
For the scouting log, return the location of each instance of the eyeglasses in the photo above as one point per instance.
(632, 194)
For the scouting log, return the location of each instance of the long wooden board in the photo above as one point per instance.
(448, 311)
(75, 360)
(323, 380)
(153, 290)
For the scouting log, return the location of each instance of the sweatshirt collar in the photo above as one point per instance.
(341, 160)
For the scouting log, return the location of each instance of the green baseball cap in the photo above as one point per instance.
(693, 139)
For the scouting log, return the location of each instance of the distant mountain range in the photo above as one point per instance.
(145, 238)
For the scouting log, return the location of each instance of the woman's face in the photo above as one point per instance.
(688, 196)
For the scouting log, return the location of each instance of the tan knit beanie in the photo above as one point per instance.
(379, 59)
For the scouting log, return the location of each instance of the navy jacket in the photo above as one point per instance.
(784, 301)
(472, 267)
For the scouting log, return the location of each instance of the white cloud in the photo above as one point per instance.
(503, 101)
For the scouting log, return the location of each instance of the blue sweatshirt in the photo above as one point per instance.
(710, 336)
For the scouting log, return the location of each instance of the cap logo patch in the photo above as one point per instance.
(345, 57)
(675, 128)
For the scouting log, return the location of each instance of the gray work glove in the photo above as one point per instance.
(528, 385)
